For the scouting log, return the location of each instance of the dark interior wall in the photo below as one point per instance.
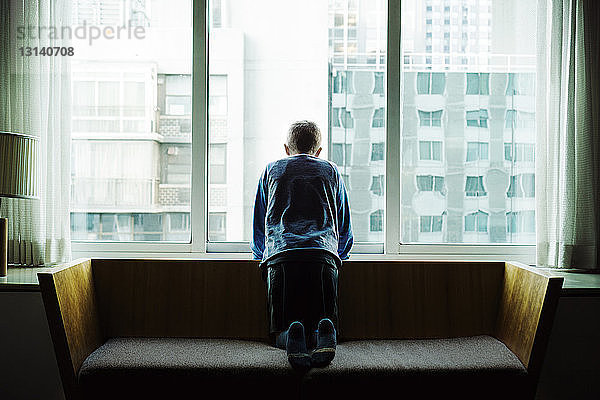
(572, 365)
(28, 367)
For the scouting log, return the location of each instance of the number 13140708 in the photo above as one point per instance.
(46, 51)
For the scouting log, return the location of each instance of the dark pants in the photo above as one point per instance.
(304, 291)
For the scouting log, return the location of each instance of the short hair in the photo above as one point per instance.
(304, 137)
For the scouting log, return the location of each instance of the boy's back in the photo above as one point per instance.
(303, 203)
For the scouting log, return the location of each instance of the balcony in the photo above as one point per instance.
(114, 194)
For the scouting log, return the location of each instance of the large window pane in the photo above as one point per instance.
(267, 70)
(468, 82)
(131, 141)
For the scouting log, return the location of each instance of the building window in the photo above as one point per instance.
(477, 118)
(429, 183)
(520, 221)
(376, 221)
(432, 118)
(431, 82)
(520, 84)
(476, 222)
(478, 83)
(474, 186)
(176, 164)
(377, 151)
(523, 152)
(377, 185)
(217, 96)
(430, 150)
(217, 163)
(341, 153)
(217, 226)
(378, 118)
(178, 95)
(477, 151)
(521, 185)
(116, 104)
(379, 87)
(430, 223)
(335, 117)
(519, 119)
(346, 118)
(511, 119)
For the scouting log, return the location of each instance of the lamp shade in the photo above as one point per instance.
(19, 163)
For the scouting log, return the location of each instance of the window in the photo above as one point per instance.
(116, 104)
(433, 118)
(377, 185)
(428, 183)
(476, 222)
(178, 94)
(217, 164)
(431, 82)
(524, 152)
(495, 64)
(430, 150)
(341, 154)
(477, 83)
(132, 141)
(281, 79)
(477, 118)
(521, 185)
(474, 186)
(519, 119)
(520, 222)
(131, 124)
(346, 117)
(379, 87)
(335, 118)
(477, 151)
(377, 152)
(217, 98)
(378, 118)
(430, 223)
(110, 12)
(217, 226)
(511, 119)
(520, 84)
(376, 221)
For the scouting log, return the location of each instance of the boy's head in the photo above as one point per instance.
(304, 137)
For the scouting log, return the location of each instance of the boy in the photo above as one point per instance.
(302, 233)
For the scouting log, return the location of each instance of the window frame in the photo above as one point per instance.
(391, 248)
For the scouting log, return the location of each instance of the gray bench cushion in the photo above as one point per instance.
(159, 367)
(170, 368)
(478, 367)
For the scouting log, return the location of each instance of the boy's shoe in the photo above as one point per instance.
(326, 342)
(296, 347)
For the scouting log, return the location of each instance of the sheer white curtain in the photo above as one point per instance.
(35, 99)
(567, 164)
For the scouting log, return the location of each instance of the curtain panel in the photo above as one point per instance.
(568, 156)
(35, 98)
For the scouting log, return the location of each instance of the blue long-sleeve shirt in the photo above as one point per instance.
(301, 203)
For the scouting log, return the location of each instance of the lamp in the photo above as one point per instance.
(18, 178)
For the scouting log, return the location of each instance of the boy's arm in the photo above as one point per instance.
(344, 225)
(258, 223)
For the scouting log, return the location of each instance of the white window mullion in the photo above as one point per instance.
(199, 126)
(393, 126)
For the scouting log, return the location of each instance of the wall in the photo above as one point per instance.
(28, 367)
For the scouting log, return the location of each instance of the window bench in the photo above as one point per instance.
(168, 328)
